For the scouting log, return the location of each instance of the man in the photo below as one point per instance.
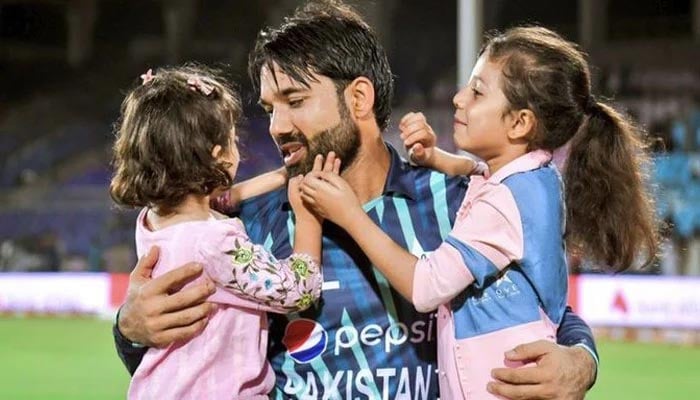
(326, 84)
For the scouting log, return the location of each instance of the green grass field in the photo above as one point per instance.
(73, 358)
(59, 358)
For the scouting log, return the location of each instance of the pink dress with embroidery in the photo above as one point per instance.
(227, 360)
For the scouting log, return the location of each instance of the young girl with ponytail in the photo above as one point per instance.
(500, 278)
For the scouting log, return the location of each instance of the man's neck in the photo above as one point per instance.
(368, 173)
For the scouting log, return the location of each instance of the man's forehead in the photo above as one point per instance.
(275, 80)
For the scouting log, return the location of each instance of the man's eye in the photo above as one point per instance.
(294, 103)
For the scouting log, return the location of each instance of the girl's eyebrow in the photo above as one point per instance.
(477, 78)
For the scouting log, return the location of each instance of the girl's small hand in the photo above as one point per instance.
(330, 164)
(301, 209)
(222, 203)
(294, 194)
(331, 197)
(418, 137)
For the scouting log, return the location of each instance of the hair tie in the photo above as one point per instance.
(197, 84)
(147, 77)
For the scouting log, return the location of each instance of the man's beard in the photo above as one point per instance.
(343, 139)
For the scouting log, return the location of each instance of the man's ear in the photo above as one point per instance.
(216, 151)
(360, 97)
(522, 124)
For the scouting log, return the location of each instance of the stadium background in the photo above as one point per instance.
(64, 249)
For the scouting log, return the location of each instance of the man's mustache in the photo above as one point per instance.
(291, 138)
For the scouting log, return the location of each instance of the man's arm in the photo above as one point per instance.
(573, 331)
(130, 353)
(156, 312)
(563, 370)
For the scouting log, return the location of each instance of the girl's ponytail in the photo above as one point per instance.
(610, 215)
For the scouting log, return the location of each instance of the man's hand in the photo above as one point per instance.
(563, 373)
(156, 313)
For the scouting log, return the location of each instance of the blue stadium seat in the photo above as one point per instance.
(672, 169)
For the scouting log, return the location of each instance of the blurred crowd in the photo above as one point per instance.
(55, 178)
(56, 128)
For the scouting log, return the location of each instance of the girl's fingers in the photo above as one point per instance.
(411, 117)
(312, 180)
(406, 118)
(330, 161)
(316, 183)
(336, 166)
(414, 154)
(332, 180)
(412, 139)
(318, 163)
(420, 136)
(414, 125)
(413, 128)
(307, 190)
(410, 128)
(308, 199)
(418, 151)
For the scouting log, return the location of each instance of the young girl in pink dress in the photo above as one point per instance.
(176, 148)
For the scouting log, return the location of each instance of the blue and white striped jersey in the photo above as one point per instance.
(363, 340)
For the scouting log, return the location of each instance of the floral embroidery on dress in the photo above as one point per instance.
(300, 268)
(305, 301)
(292, 284)
(242, 256)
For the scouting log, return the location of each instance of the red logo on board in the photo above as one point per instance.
(619, 302)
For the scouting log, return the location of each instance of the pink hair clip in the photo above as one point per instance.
(196, 83)
(147, 77)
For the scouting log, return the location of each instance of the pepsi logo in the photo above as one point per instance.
(305, 340)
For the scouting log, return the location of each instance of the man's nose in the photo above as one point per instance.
(280, 123)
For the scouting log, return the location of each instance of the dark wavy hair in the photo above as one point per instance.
(610, 214)
(330, 39)
(165, 136)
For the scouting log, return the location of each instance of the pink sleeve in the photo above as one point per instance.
(483, 242)
(249, 276)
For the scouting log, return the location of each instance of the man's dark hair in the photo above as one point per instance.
(330, 39)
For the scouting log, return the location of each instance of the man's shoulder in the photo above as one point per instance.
(427, 181)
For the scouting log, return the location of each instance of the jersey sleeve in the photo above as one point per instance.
(485, 240)
(573, 331)
(249, 276)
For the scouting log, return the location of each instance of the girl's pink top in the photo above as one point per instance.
(500, 277)
(227, 360)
